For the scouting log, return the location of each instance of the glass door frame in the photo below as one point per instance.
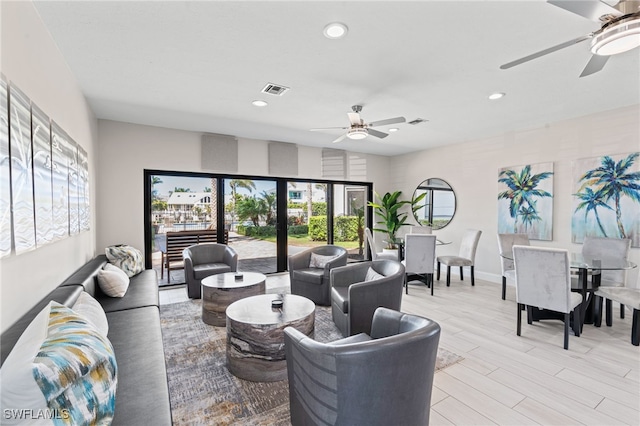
(281, 206)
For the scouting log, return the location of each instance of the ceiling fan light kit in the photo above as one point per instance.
(617, 37)
(357, 134)
(359, 129)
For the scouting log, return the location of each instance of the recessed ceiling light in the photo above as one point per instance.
(496, 95)
(259, 103)
(393, 129)
(335, 30)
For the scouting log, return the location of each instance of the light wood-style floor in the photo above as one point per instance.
(510, 380)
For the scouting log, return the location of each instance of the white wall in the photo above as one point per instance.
(125, 150)
(472, 170)
(31, 60)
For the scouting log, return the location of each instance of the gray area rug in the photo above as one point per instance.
(202, 390)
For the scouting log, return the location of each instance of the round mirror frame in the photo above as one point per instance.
(430, 185)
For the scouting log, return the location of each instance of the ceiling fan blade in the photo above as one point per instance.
(377, 133)
(592, 10)
(339, 138)
(387, 121)
(354, 118)
(545, 52)
(595, 64)
(328, 128)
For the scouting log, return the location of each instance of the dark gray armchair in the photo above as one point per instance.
(310, 274)
(202, 260)
(354, 299)
(384, 378)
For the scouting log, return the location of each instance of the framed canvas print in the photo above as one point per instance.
(606, 198)
(83, 185)
(21, 171)
(60, 149)
(74, 191)
(525, 200)
(5, 176)
(42, 181)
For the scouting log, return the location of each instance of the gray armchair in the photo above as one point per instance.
(312, 280)
(202, 260)
(384, 378)
(354, 299)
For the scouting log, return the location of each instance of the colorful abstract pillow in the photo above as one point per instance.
(113, 281)
(320, 261)
(76, 370)
(91, 309)
(125, 257)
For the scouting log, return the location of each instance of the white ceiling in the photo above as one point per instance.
(198, 65)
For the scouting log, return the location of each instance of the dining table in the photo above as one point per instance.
(585, 266)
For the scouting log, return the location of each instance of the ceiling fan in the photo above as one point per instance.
(619, 31)
(358, 129)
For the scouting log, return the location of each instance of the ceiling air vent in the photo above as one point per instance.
(275, 89)
(417, 121)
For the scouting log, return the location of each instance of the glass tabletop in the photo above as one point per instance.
(400, 242)
(580, 261)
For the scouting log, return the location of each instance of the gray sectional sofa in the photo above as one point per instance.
(142, 396)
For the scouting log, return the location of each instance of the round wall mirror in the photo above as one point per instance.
(438, 206)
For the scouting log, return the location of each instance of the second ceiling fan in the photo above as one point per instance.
(358, 129)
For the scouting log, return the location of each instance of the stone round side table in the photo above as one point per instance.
(255, 334)
(220, 290)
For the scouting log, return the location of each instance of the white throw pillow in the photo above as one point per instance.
(372, 275)
(113, 281)
(19, 388)
(320, 261)
(89, 308)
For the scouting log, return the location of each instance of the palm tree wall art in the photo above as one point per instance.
(606, 201)
(5, 182)
(525, 200)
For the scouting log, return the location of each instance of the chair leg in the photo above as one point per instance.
(609, 317)
(162, 266)
(473, 278)
(461, 275)
(438, 275)
(635, 328)
(430, 278)
(520, 306)
(577, 320)
(567, 320)
(406, 284)
(504, 287)
(597, 311)
(448, 275)
(621, 311)
(529, 315)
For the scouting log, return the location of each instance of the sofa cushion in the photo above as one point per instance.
(310, 275)
(143, 393)
(205, 269)
(76, 369)
(89, 308)
(320, 261)
(340, 298)
(113, 281)
(127, 258)
(143, 291)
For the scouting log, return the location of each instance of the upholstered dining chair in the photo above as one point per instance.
(626, 296)
(420, 230)
(358, 289)
(505, 243)
(205, 259)
(377, 379)
(599, 247)
(543, 281)
(466, 256)
(419, 259)
(309, 272)
(375, 254)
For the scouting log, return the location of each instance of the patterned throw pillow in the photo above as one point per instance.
(125, 257)
(372, 275)
(113, 281)
(76, 370)
(320, 261)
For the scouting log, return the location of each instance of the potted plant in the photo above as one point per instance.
(388, 210)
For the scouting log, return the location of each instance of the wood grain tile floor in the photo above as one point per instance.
(509, 380)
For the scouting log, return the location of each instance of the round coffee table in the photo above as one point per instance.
(220, 290)
(255, 334)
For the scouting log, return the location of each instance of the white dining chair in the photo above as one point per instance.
(505, 244)
(626, 296)
(543, 281)
(419, 258)
(466, 256)
(420, 230)
(375, 254)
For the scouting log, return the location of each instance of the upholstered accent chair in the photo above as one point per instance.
(599, 247)
(358, 289)
(543, 281)
(505, 243)
(419, 259)
(382, 378)
(466, 257)
(202, 260)
(626, 296)
(309, 272)
(375, 254)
